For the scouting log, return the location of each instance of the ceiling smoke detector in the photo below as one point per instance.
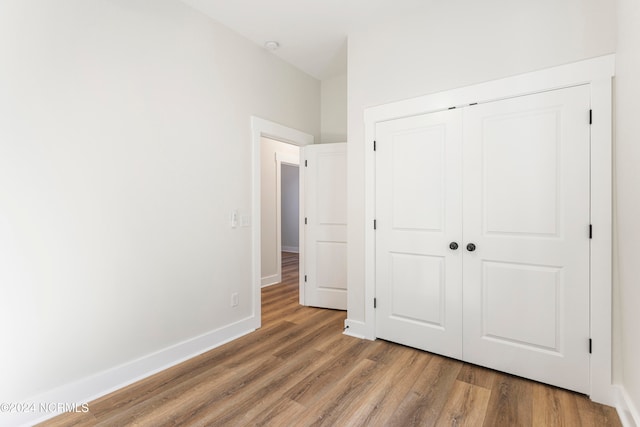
(271, 45)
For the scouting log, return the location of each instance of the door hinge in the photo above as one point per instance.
(375, 303)
(374, 146)
(590, 117)
(305, 278)
(591, 231)
(305, 220)
(305, 164)
(375, 224)
(590, 345)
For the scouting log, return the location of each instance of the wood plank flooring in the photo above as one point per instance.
(300, 370)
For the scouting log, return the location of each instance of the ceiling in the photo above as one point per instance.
(312, 33)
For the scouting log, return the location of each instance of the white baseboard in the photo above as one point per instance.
(354, 328)
(293, 249)
(100, 384)
(270, 284)
(627, 411)
(270, 280)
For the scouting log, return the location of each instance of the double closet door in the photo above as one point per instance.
(482, 239)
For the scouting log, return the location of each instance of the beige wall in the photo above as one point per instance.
(125, 143)
(627, 206)
(333, 111)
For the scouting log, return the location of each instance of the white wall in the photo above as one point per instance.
(290, 208)
(333, 111)
(627, 208)
(125, 143)
(270, 256)
(457, 43)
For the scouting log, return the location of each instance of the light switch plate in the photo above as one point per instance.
(234, 218)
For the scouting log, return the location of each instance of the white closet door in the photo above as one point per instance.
(526, 208)
(325, 178)
(418, 215)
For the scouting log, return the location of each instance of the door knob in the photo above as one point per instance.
(471, 247)
(453, 246)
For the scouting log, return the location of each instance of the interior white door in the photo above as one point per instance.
(325, 231)
(526, 210)
(418, 217)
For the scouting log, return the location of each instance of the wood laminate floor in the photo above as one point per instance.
(300, 370)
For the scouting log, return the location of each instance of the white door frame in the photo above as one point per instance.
(264, 128)
(597, 73)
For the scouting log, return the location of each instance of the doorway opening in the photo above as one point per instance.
(290, 207)
(290, 223)
(260, 129)
(279, 205)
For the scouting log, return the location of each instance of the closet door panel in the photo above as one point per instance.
(418, 215)
(526, 209)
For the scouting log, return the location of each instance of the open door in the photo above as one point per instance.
(323, 278)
